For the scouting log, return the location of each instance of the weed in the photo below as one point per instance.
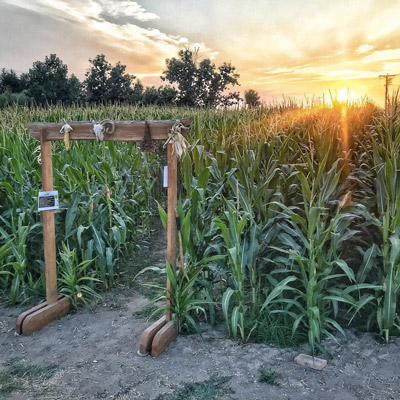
(18, 376)
(211, 389)
(275, 329)
(147, 312)
(269, 376)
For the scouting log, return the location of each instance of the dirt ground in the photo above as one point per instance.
(93, 355)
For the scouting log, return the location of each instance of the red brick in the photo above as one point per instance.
(311, 362)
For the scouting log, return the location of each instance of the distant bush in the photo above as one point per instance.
(7, 99)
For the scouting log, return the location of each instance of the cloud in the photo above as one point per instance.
(339, 72)
(90, 8)
(329, 41)
(118, 8)
(281, 70)
(364, 48)
(382, 55)
(141, 47)
(391, 67)
(91, 12)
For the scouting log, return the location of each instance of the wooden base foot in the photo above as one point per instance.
(37, 317)
(148, 335)
(163, 338)
(157, 337)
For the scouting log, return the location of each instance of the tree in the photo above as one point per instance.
(252, 98)
(7, 98)
(74, 90)
(150, 96)
(47, 81)
(10, 82)
(105, 83)
(119, 84)
(96, 82)
(201, 84)
(136, 93)
(166, 95)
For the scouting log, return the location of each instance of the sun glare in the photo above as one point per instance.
(345, 95)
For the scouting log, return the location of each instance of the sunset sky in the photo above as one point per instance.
(290, 47)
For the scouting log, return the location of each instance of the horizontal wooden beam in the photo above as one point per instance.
(125, 131)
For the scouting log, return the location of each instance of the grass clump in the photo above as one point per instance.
(211, 389)
(18, 376)
(269, 376)
(275, 329)
(147, 312)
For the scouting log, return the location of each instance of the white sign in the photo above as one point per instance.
(165, 181)
(48, 201)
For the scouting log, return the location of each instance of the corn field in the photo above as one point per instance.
(290, 217)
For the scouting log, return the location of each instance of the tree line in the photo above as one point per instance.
(188, 82)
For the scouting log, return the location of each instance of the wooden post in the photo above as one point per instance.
(49, 235)
(171, 228)
(55, 306)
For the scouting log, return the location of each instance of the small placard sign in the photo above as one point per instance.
(165, 176)
(48, 201)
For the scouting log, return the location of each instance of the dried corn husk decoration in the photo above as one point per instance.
(66, 129)
(346, 201)
(147, 144)
(39, 155)
(175, 137)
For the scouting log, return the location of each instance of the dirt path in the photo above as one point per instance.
(92, 355)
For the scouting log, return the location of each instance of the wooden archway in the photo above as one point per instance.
(158, 336)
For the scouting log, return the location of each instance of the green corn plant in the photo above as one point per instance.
(204, 268)
(387, 164)
(5, 250)
(385, 160)
(249, 156)
(184, 297)
(312, 240)
(232, 236)
(185, 302)
(255, 182)
(74, 280)
(17, 241)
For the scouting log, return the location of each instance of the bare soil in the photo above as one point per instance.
(93, 355)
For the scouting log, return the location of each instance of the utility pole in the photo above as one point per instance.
(318, 100)
(388, 81)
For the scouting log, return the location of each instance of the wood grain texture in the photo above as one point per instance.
(49, 234)
(163, 338)
(171, 227)
(148, 335)
(21, 317)
(125, 131)
(42, 317)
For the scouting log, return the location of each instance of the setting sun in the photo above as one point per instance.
(345, 95)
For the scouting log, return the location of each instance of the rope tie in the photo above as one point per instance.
(175, 137)
(104, 127)
(66, 129)
(147, 144)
